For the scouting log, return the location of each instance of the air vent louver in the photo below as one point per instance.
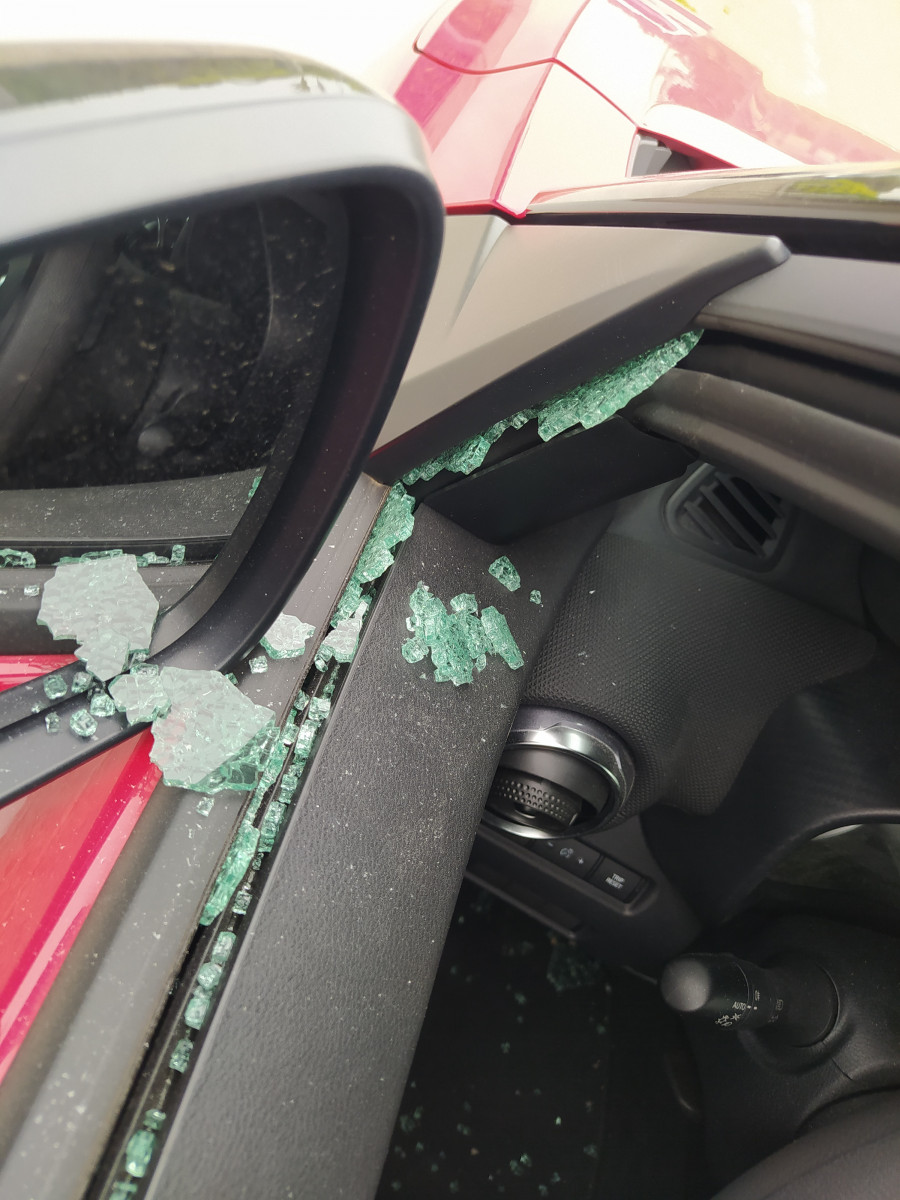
(727, 516)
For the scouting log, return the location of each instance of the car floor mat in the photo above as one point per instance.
(539, 1072)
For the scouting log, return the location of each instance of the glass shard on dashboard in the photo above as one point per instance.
(102, 705)
(55, 687)
(535, 597)
(104, 604)
(51, 721)
(586, 405)
(232, 871)
(82, 723)
(181, 1055)
(140, 695)
(340, 644)
(504, 572)
(210, 724)
(16, 558)
(258, 665)
(287, 637)
(459, 641)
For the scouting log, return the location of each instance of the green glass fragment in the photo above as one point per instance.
(91, 556)
(306, 735)
(319, 708)
(465, 602)
(232, 871)
(222, 947)
(300, 702)
(258, 665)
(122, 1190)
(51, 721)
(55, 687)
(105, 605)
(588, 405)
(393, 526)
(82, 723)
(242, 900)
(31, 589)
(501, 639)
(257, 480)
(140, 695)
(181, 1055)
(150, 559)
(275, 760)
(16, 558)
(102, 705)
(535, 597)
(271, 823)
(209, 976)
(414, 650)
(349, 602)
(504, 572)
(288, 733)
(138, 1153)
(177, 556)
(211, 730)
(204, 805)
(286, 638)
(232, 678)
(81, 681)
(600, 398)
(154, 1118)
(341, 643)
(289, 782)
(196, 1010)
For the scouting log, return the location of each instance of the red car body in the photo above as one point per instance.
(516, 98)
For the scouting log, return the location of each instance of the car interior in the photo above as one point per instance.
(622, 921)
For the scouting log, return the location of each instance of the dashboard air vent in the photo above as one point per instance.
(730, 517)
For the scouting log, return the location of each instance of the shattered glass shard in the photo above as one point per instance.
(535, 597)
(16, 558)
(288, 733)
(150, 559)
(196, 1010)
(105, 605)
(81, 681)
(140, 695)
(393, 526)
(500, 637)
(271, 823)
(258, 665)
(55, 687)
(222, 947)
(232, 871)
(52, 722)
(154, 1118)
(204, 805)
(102, 705)
(289, 782)
(319, 708)
(504, 572)
(32, 589)
(595, 401)
(349, 602)
(257, 480)
(138, 1153)
(340, 644)
(465, 602)
(209, 976)
(181, 1055)
(414, 650)
(82, 723)
(123, 1190)
(306, 735)
(177, 556)
(209, 725)
(242, 900)
(287, 637)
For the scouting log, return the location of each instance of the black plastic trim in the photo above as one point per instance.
(358, 145)
(549, 308)
(841, 470)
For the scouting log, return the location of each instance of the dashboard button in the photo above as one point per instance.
(616, 880)
(570, 855)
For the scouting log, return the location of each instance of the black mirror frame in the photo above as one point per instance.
(309, 131)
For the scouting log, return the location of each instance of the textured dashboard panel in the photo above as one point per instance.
(686, 663)
(317, 1026)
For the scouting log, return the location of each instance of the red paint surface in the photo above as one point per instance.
(57, 847)
(476, 88)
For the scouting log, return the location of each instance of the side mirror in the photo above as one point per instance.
(212, 271)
